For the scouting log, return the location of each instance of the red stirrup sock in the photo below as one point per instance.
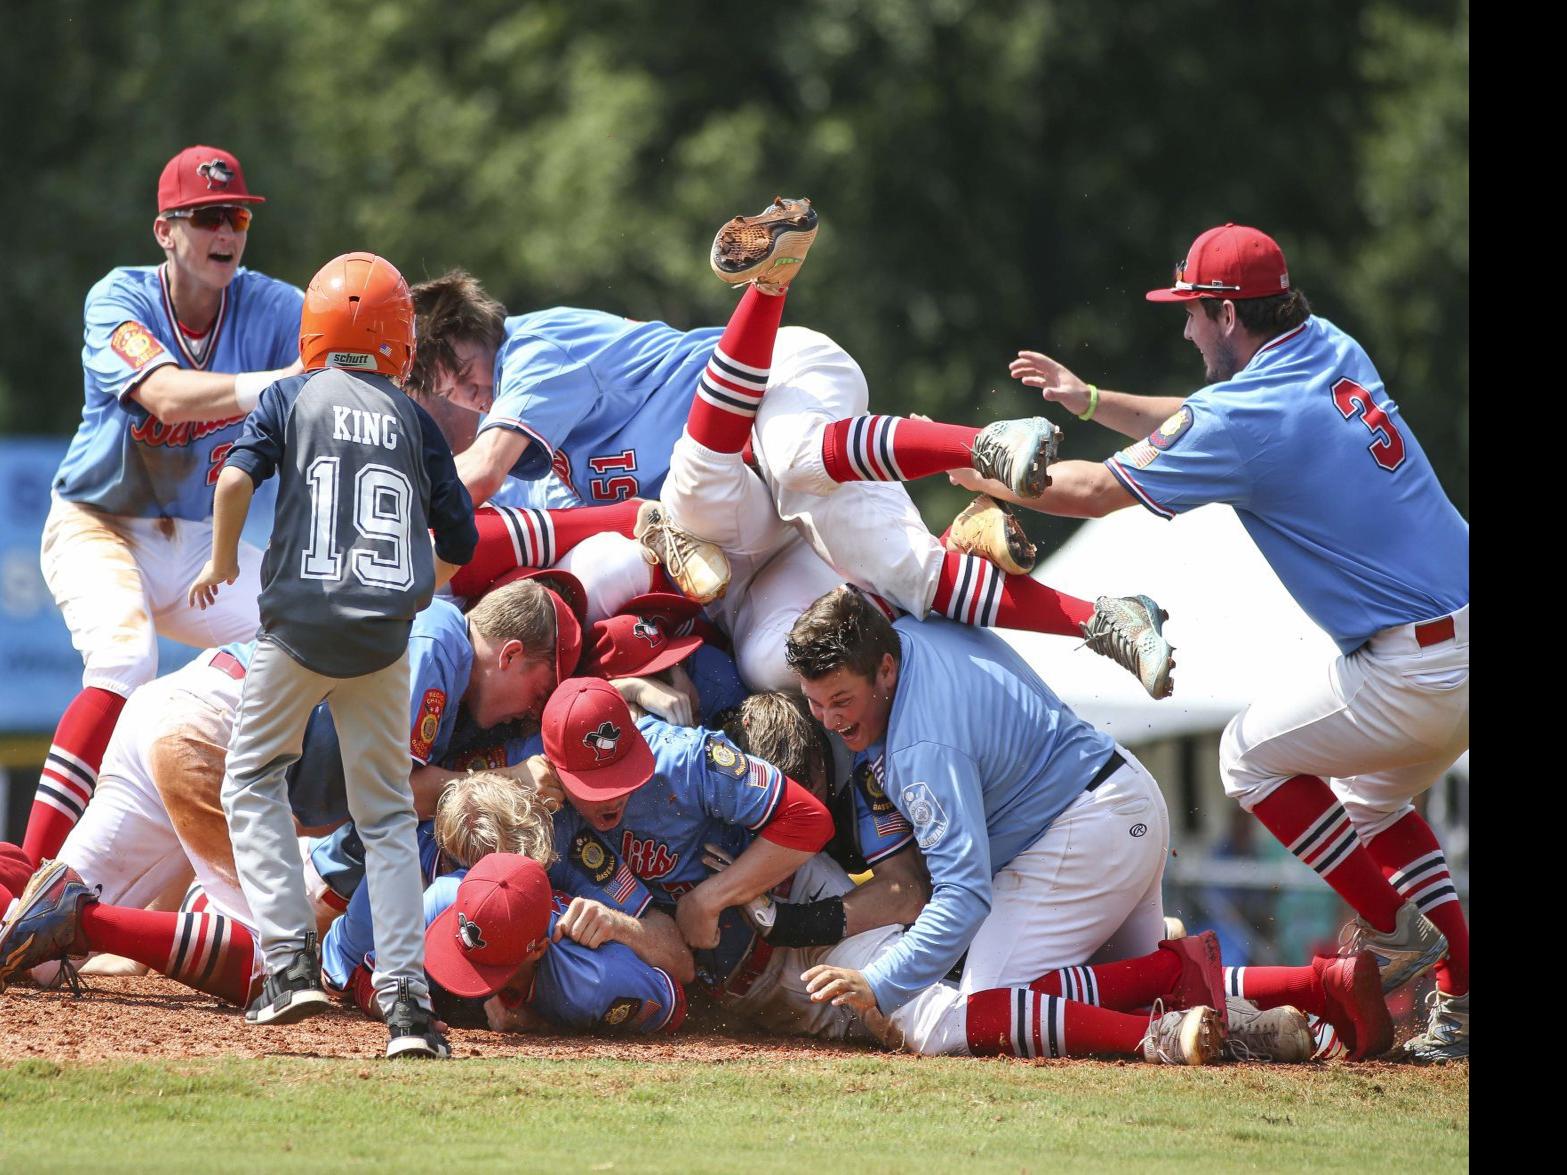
(731, 389)
(1273, 987)
(1416, 867)
(71, 770)
(512, 537)
(894, 448)
(972, 590)
(1125, 985)
(1019, 1022)
(209, 952)
(1307, 819)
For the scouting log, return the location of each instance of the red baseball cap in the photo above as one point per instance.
(629, 646)
(203, 175)
(500, 917)
(590, 740)
(1231, 262)
(570, 601)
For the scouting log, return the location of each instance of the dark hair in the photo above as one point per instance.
(777, 726)
(1268, 317)
(841, 630)
(451, 308)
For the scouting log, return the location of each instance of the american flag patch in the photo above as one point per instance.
(891, 824)
(623, 884)
(1141, 455)
(759, 774)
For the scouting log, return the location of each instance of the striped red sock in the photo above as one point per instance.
(1307, 819)
(209, 952)
(1273, 987)
(730, 390)
(512, 537)
(1125, 985)
(1019, 1022)
(894, 448)
(1415, 866)
(71, 770)
(973, 590)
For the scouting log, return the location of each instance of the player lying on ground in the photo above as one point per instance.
(608, 405)
(173, 357)
(1298, 434)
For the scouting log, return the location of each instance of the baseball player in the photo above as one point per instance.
(1296, 431)
(604, 402)
(365, 475)
(173, 357)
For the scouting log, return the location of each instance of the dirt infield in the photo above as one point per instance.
(125, 1019)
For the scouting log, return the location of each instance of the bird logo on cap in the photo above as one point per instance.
(647, 629)
(469, 934)
(602, 740)
(217, 173)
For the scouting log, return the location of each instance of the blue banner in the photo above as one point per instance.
(39, 670)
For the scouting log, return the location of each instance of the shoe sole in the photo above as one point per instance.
(744, 247)
(1367, 1012)
(1011, 550)
(11, 956)
(414, 1048)
(1164, 683)
(1036, 478)
(1202, 1037)
(301, 1006)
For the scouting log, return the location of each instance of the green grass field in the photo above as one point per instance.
(794, 1114)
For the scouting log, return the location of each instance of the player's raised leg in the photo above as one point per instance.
(513, 536)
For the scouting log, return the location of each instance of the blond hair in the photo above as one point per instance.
(486, 812)
(520, 611)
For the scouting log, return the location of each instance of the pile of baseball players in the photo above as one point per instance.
(660, 690)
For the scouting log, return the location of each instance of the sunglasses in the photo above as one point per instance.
(212, 216)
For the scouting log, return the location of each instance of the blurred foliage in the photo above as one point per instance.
(992, 174)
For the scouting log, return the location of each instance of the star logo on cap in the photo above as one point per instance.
(602, 740)
(469, 934)
(217, 173)
(647, 629)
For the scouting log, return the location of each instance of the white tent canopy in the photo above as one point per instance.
(1236, 631)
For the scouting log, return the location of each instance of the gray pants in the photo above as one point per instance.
(371, 716)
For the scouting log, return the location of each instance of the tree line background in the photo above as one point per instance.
(991, 174)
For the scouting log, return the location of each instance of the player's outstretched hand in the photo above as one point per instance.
(204, 590)
(586, 921)
(1057, 383)
(843, 986)
(504, 1017)
(540, 772)
(659, 698)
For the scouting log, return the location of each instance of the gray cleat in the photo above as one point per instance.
(1130, 631)
(1017, 453)
(1282, 1035)
(1446, 1037)
(1406, 952)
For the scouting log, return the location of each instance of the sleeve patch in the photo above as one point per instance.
(724, 758)
(1140, 456)
(868, 779)
(926, 814)
(479, 758)
(1171, 430)
(594, 856)
(621, 1011)
(428, 724)
(132, 342)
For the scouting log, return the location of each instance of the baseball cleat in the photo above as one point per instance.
(988, 529)
(1281, 1035)
(293, 993)
(1406, 952)
(1191, 1037)
(1173, 927)
(1354, 1005)
(1201, 982)
(766, 248)
(1017, 453)
(1130, 631)
(1446, 1037)
(45, 923)
(411, 1030)
(699, 569)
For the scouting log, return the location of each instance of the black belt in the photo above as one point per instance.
(1114, 763)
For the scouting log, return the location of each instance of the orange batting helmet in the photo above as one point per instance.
(358, 315)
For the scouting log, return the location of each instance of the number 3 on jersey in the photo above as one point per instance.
(614, 489)
(1353, 400)
(382, 497)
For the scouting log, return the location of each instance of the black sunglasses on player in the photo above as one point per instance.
(212, 216)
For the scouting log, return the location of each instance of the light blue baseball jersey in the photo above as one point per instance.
(603, 989)
(880, 830)
(980, 757)
(1326, 477)
(123, 460)
(703, 790)
(602, 398)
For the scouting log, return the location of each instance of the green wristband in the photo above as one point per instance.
(1093, 403)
